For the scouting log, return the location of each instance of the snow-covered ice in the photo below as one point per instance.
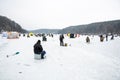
(78, 61)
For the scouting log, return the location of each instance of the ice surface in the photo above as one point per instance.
(78, 61)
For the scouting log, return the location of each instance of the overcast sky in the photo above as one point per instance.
(37, 14)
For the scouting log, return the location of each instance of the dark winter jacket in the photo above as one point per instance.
(38, 48)
(61, 38)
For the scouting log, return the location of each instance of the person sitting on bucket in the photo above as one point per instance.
(101, 38)
(38, 49)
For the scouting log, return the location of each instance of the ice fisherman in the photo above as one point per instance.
(112, 37)
(38, 50)
(61, 40)
(87, 39)
(106, 37)
(101, 38)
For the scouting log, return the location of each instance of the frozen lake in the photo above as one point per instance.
(78, 61)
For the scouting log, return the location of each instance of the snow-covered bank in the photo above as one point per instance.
(78, 61)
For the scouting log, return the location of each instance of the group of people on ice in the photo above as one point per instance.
(40, 53)
(102, 37)
(106, 36)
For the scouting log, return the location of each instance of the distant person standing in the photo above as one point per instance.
(38, 49)
(61, 40)
(112, 37)
(106, 37)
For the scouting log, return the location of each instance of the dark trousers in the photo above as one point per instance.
(42, 54)
(61, 43)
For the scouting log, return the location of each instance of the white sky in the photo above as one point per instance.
(37, 14)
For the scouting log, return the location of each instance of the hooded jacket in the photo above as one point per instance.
(38, 48)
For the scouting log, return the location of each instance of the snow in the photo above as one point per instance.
(78, 61)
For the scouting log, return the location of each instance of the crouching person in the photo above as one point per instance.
(87, 39)
(38, 50)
